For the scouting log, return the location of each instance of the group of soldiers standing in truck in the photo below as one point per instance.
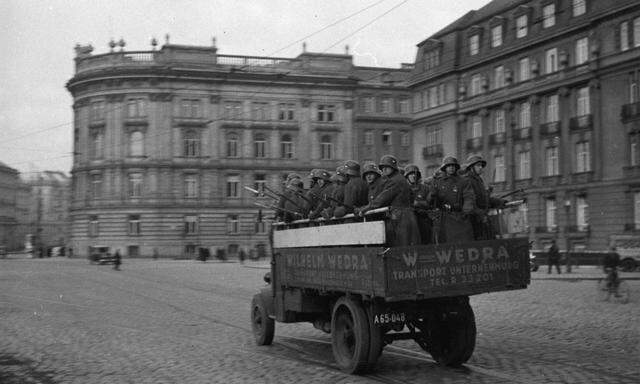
(451, 205)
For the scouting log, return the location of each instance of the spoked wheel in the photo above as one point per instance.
(604, 292)
(453, 333)
(262, 325)
(350, 336)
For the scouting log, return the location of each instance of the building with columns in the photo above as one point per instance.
(547, 92)
(165, 140)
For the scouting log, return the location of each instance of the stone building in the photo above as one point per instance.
(547, 92)
(13, 209)
(165, 140)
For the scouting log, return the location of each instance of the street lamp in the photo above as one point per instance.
(567, 209)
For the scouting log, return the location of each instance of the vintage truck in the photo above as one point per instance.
(341, 276)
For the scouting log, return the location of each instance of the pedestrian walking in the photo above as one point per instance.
(117, 260)
(553, 257)
(242, 255)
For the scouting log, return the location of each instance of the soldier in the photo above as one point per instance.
(336, 199)
(286, 194)
(324, 196)
(421, 201)
(454, 197)
(396, 194)
(482, 228)
(372, 175)
(319, 182)
(294, 204)
(356, 191)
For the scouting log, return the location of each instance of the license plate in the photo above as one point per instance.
(388, 318)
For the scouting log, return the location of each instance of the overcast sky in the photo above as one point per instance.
(37, 39)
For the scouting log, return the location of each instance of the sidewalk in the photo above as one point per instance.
(586, 272)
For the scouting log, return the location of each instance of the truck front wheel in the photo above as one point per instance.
(262, 325)
(350, 335)
(453, 333)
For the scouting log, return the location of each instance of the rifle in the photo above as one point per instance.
(278, 209)
(329, 198)
(283, 196)
(520, 190)
(260, 193)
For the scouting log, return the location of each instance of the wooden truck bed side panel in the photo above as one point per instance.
(347, 269)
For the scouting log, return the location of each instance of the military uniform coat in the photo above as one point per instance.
(482, 227)
(356, 193)
(421, 205)
(454, 196)
(396, 194)
(374, 189)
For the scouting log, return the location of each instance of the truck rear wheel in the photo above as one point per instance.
(262, 325)
(376, 343)
(453, 334)
(350, 335)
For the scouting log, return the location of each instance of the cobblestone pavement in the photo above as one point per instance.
(66, 321)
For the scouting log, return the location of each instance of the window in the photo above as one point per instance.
(135, 185)
(96, 186)
(523, 210)
(579, 7)
(404, 105)
(94, 226)
(404, 139)
(190, 108)
(191, 225)
(496, 36)
(326, 148)
(636, 209)
(385, 106)
(190, 186)
(261, 226)
(582, 50)
(551, 60)
(441, 94)
(386, 138)
(498, 77)
(368, 104)
(524, 69)
(474, 45)
(233, 186)
(260, 111)
(326, 112)
(259, 146)
(553, 165)
(525, 115)
(233, 224)
(368, 137)
(633, 91)
(476, 126)
(136, 144)
(431, 59)
(233, 110)
(286, 111)
(636, 32)
(583, 102)
(550, 209)
(499, 174)
(624, 36)
(552, 109)
(434, 135)
(433, 97)
(134, 225)
(582, 213)
(476, 84)
(232, 145)
(136, 108)
(499, 126)
(286, 147)
(96, 145)
(549, 15)
(521, 26)
(583, 157)
(96, 111)
(191, 144)
(524, 165)
(260, 180)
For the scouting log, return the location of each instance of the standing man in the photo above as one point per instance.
(421, 201)
(372, 175)
(315, 195)
(117, 260)
(356, 191)
(455, 199)
(553, 257)
(396, 194)
(482, 228)
(336, 199)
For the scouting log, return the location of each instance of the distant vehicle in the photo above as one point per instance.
(99, 254)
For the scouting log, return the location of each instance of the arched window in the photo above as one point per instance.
(232, 145)
(286, 147)
(191, 144)
(259, 145)
(326, 148)
(136, 144)
(96, 145)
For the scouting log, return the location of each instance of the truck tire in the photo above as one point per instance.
(628, 265)
(262, 325)
(453, 334)
(376, 344)
(350, 335)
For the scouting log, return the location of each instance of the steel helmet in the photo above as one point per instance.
(313, 173)
(321, 174)
(295, 184)
(292, 176)
(370, 168)
(352, 167)
(449, 160)
(475, 159)
(388, 161)
(412, 168)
